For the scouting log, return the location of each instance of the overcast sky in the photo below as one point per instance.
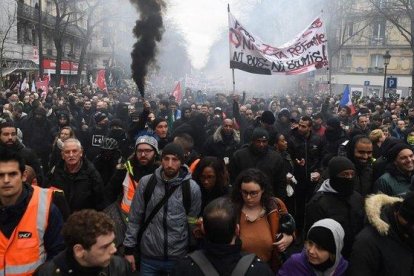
(202, 21)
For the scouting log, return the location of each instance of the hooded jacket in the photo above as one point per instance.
(220, 146)
(167, 235)
(326, 203)
(378, 249)
(298, 264)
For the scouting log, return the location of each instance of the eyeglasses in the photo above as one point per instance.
(145, 151)
(252, 194)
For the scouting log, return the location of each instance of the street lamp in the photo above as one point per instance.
(386, 58)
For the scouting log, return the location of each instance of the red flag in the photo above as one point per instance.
(178, 95)
(100, 80)
(43, 85)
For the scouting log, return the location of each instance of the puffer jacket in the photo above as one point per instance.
(167, 235)
(378, 249)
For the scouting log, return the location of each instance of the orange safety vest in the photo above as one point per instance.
(129, 186)
(193, 165)
(24, 251)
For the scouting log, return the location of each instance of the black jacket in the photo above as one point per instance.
(220, 146)
(83, 190)
(270, 162)
(65, 264)
(310, 149)
(224, 258)
(378, 249)
(349, 212)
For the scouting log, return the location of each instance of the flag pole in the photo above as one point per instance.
(328, 69)
(232, 69)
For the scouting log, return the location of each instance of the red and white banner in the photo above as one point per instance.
(177, 93)
(44, 85)
(308, 51)
(100, 80)
(66, 67)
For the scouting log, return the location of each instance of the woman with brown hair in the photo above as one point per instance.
(261, 215)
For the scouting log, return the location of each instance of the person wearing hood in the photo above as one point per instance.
(336, 199)
(397, 177)
(333, 138)
(37, 135)
(165, 239)
(359, 151)
(92, 138)
(283, 122)
(385, 247)
(117, 132)
(224, 142)
(322, 252)
(8, 139)
(259, 155)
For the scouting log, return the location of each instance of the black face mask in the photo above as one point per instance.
(344, 186)
(117, 134)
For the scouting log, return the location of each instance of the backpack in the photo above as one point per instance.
(208, 269)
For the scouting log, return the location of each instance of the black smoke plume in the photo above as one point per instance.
(148, 30)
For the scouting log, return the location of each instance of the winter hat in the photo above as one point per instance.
(260, 133)
(284, 112)
(395, 150)
(339, 164)
(407, 207)
(268, 117)
(149, 140)
(174, 149)
(333, 123)
(99, 116)
(117, 123)
(323, 237)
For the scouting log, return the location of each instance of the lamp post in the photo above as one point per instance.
(387, 58)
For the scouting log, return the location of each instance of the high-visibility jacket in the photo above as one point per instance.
(24, 251)
(129, 185)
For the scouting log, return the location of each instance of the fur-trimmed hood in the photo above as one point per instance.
(217, 136)
(373, 207)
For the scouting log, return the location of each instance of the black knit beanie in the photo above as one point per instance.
(268, 117)
(260, 133)
(174, 149)
(323, 237)
(339, 164)
(395, 150)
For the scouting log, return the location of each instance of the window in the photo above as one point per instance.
(350, 28)
(347, 60)
(377, 61)
(378, 30)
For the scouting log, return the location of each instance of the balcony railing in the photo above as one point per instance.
(30, 13)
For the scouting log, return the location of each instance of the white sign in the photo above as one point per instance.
(305, 53)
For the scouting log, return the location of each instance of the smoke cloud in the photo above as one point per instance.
(148, 30)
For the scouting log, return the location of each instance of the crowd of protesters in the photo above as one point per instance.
(96, 182)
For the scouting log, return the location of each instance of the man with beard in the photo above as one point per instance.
(259, 155)
(162, 236)
(360, 153)
(317, 127)
(8, 139)
(336, 199)
(385, 247)
(396, 180)
(224, 142)
(306, 150)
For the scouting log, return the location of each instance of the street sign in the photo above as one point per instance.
(366, 83)
(392, 82)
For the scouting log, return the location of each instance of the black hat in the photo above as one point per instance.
(268, 117)
(260, 133)
(333, 123)
(339, 164)
(99, 116)
(174, 149)
(395, 150)
(407, 207)
(323, 237)
(284, 112)
(116, 123)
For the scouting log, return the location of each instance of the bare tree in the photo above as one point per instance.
(66, 14)
(7, 24)
(401, 15)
